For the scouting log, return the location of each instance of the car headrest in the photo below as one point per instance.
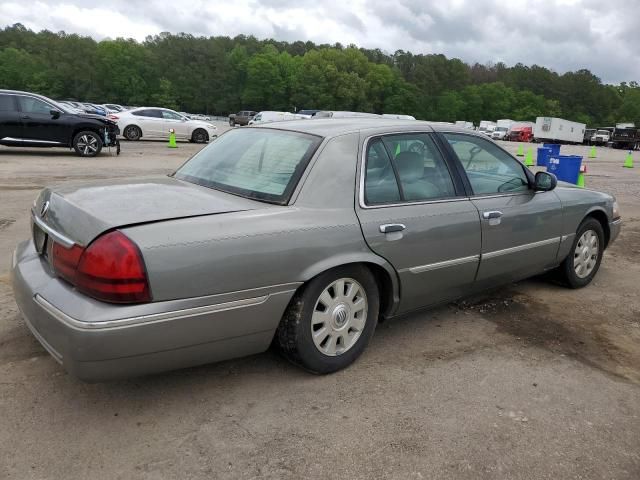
(410, 166)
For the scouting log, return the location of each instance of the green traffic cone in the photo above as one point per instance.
(592, 153)
(520, 151)
(580, 182)
(628, 163)
(528, 160)
(172, 139)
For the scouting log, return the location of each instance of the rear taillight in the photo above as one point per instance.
(109, 269)
(113, 117)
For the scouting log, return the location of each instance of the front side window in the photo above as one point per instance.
(261, 164)
(7, 103)
(406, 167)
(167, 115)
(34, 105)
(489, 169)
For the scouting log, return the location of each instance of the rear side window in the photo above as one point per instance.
(7, 103)
(406, 167)
(148, 113)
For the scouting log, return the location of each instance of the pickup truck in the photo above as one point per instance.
(241, 118)
(600, 137)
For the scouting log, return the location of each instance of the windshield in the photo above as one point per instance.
(602, 132)
(258, 163)
(501, 129)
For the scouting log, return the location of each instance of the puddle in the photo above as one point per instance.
(555, 326)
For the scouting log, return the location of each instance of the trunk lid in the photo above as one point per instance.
(81, 212)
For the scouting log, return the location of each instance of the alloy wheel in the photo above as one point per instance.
(88, 144)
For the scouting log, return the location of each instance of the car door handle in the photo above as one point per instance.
(491, 214)
(392, 227)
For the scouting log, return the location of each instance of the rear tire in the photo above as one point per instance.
(87, 143)
(132, 133)
(583, 261)
(329, 323)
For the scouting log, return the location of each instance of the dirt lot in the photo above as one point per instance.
(527, 382)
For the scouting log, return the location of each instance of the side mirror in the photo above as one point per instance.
(54, 113)
(545, 182)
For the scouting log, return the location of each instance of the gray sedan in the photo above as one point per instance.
(302, 234)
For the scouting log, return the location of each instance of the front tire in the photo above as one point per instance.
(329, 323)
(583, 261)
(199, 136)
(132, 133)
(87, 143)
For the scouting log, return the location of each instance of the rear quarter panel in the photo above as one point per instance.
(271, 246)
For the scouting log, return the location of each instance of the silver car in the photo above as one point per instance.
(299, 233)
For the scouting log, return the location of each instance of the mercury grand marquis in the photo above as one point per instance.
(302, 234)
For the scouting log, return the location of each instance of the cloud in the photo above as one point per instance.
(559, 34)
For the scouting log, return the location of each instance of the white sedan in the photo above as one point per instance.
(158, 122)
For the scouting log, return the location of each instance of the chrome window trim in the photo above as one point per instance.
(363, 158)
(58, 237)
(147, 319)
(519, 248)
(445, 264)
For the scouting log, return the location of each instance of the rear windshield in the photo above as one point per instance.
(258, 163)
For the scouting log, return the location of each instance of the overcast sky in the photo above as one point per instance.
(563, 35)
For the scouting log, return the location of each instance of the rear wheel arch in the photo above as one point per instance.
(384, 274)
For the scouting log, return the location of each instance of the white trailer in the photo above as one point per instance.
(463, 124)
(558, 130)
(505, 123)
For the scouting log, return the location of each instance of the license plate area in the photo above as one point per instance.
(39, 239)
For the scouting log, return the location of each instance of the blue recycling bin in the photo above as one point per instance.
(555, 148)
(565, 167)
(543, 156)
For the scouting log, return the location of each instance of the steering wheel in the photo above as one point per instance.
(472, 154)
(514, 183)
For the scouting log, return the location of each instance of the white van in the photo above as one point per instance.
(270, 116)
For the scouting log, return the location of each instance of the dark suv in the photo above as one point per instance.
(31, 120)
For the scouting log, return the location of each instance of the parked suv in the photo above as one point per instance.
(241, 118)
(31, 120)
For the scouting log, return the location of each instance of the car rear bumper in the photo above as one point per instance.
(95, 341)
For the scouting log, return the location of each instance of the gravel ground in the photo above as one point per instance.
(529, 381)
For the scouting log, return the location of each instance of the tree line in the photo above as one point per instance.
(219, 75)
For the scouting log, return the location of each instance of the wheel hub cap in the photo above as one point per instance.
(585, 256)
(339, 317)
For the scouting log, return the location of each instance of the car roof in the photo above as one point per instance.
(332, 127)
